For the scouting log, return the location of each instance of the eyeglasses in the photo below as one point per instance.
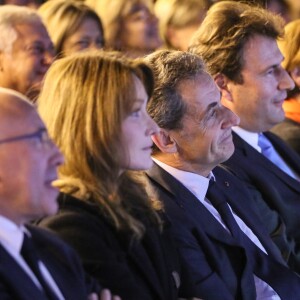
(41, 135)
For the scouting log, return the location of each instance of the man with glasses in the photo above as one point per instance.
(33, 263)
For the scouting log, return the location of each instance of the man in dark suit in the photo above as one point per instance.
(238, 44)
(225, 250)
(34, 264)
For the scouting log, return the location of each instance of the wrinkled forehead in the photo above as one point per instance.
(136, 6)
(201, 81)
(198, 93)
(32, 30)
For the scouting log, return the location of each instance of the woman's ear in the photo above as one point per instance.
(164, 141)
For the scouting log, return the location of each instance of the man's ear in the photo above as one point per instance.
(223, 84)
(164, 142)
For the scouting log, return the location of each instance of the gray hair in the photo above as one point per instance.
(10, 16)
(170, 68)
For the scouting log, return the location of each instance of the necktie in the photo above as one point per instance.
(32, 259)
(260, 263)
(270, 153)
(220, 204)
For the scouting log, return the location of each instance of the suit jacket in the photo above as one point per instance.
(216, 266)
(279, 191)
(141, 270)
(289, 131)
(60, 260)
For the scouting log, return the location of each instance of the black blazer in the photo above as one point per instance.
(279, 191)
(60, 260)
(216, 266)
(145, 270)
(289, 131)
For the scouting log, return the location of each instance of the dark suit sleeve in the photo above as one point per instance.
(99, 251)
(270, 218)
(4, 293)
(198, 277)
(289, 131)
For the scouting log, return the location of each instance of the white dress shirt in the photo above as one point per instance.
(198, 186)
(11, 238)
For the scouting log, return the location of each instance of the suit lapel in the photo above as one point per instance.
(141, 259)
(235, 198)
(289, 155)
(191, 205)
(16, 279)
(57, 266)
(258, 159)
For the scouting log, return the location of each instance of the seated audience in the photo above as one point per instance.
(34, 263)
(221, 240)
(129, 25)
(72, 26)
(289, 129)
(30, 3)
(295, 8)
(95, 107)
(238, 44)
(26, 51)
(178, 20)
(280, 7)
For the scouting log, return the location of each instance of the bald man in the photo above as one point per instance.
(28, 163)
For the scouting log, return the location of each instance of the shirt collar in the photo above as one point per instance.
(250, 137)
(11, 234)
(195, 183)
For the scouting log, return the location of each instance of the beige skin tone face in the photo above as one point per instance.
(180, 37)
(87, 37)
(137, 130)
(139, 34)
(32, 54)
(27, 167)
(258, 100)
(205, 139)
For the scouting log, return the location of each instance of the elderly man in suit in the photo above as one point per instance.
(26, 50)
(225, 250)
(34, 264)
(238, 44)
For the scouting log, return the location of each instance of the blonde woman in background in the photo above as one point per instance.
(178, 20)
(94, 105)
(72, 26)
(129, 25)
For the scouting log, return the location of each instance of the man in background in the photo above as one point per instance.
(26, 50)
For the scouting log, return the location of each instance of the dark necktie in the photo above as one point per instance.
(32, 259)
(220, 204)
(261, 264)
